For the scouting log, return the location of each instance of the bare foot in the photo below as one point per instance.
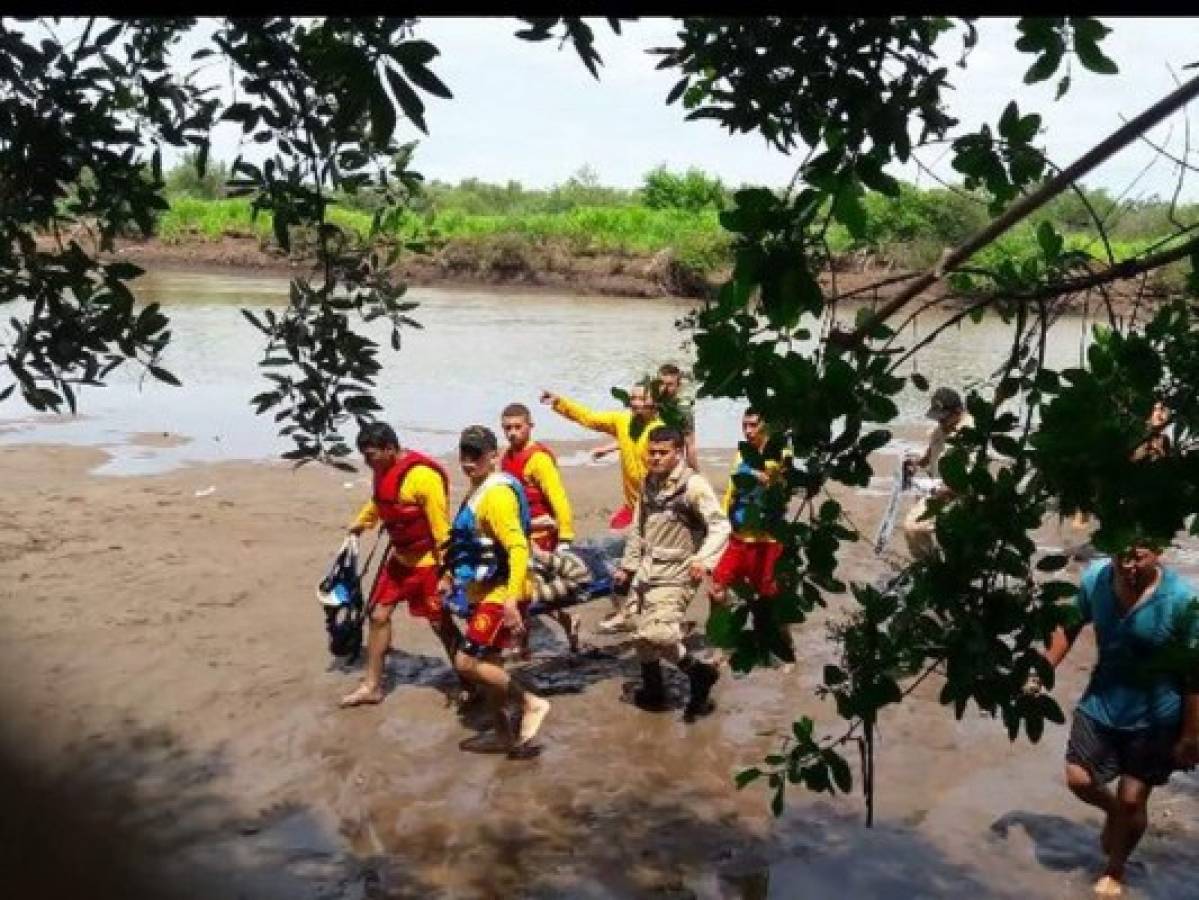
(530, 722)
(361, 696)
(1108, 886)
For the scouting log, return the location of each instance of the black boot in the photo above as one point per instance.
(651, 696)
(702, 676)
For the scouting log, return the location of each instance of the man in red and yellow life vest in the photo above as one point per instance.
(410, 499)
(536, 468)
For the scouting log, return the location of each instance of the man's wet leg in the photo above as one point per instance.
(378, 642)
(1128, 826)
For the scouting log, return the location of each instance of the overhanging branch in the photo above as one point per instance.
(1026, 205)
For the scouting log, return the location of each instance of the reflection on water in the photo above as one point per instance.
(478, 350)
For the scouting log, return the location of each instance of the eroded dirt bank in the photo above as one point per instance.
(169, 715)
(551, 269)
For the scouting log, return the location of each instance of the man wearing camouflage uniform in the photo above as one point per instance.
(678, 533)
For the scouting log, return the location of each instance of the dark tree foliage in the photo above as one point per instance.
(859, 95)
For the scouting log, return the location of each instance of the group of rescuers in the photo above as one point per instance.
(510, 543)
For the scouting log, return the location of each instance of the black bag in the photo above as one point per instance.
(340, 593)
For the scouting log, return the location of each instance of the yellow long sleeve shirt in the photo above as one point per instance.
(749, 535)
(498, 515)
(542, 471)
(634, 451)
(423, 486)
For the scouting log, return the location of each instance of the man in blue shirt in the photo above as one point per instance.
(1138, 719)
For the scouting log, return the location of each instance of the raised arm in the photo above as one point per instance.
(601, 421)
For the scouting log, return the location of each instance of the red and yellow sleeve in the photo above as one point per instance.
(368, 516)
(543, 472)
(605, 422)
(499, 513)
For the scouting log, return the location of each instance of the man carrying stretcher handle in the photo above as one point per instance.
(410, 498)
(551, 518)
(488, 556)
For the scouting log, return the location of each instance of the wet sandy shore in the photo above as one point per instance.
(170, 729)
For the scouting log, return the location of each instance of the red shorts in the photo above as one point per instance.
(749, 562)
(415, 585)
(622, 518)
(486, 629)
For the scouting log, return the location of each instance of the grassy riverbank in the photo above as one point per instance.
(673, 221)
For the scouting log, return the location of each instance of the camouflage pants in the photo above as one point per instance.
(657, 612)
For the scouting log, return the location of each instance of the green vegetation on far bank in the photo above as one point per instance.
(675, 212)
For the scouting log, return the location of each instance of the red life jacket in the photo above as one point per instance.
(405, 522)
(516, 463)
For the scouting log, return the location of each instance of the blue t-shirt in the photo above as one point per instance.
(1118, 695)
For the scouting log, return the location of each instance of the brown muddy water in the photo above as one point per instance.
(477, 351)
(169, 706)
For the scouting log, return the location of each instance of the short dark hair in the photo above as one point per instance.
(379, 435)
(752, 411)
(476, 440)
(516, 409)
(670, 369)
(666, 433)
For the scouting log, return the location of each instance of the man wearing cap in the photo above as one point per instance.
(488, 555)
(951, 417)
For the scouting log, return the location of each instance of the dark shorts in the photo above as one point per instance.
(1146, 754)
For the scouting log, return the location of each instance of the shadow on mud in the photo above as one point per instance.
(1160, 869)
(140, 819)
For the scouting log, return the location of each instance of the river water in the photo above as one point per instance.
(477, 351)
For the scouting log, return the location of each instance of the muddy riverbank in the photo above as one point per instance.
(170, 727)
(549, 268)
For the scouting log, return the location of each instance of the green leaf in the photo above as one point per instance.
(840, 770)
(919, 381)
(410, 103)
(163, 375)
(745, 776)
(427, 81)
(383, 115)
(1044, 67)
